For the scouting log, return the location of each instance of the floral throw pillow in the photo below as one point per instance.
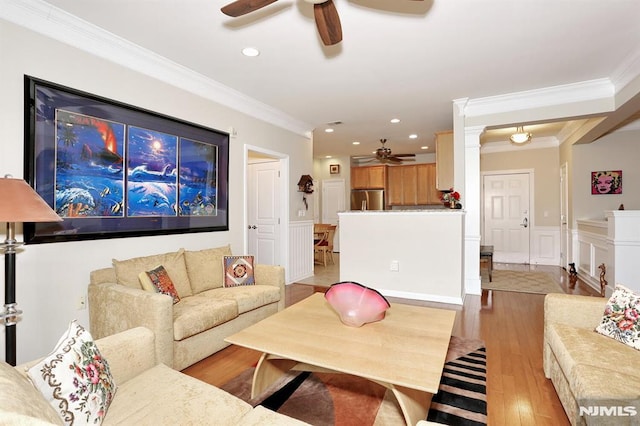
(621, 317)
(75, 379)
(160, 279)
(238, 270)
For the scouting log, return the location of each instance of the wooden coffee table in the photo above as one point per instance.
(405, 352)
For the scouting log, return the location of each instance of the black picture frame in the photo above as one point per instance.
(112, 170)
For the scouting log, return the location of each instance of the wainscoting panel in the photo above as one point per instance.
(300, 251)
(545, 245)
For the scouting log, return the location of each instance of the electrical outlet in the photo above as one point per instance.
(395, 266)
(82, 303)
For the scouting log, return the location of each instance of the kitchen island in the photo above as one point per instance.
(412, 254)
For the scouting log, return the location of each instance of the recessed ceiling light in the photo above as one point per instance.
(355, 143)
(413, 136)
(250, 51)
(329, 130)
(327, 156)
(424, 147)
(395, 120)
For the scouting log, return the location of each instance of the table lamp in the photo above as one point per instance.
(18, 203)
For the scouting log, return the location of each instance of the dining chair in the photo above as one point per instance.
(323, 242)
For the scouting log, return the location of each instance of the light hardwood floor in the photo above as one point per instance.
(510, 324)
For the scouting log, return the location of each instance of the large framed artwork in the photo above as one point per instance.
(113, 170)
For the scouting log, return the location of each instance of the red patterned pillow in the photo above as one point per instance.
(162, 282)
(238, 270)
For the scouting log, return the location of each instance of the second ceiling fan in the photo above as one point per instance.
(324, 11)
(384, 155)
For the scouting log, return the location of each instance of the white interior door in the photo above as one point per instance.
(333, 201)
(506, 216)
(263, 212)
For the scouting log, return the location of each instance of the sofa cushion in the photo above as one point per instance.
(75, 378)
(205, 267)
(127, 271)
(247, 297)
(162, 282)
(163, 396)
(261, 416)
(238, 270)
(194, 314)
(574, 346)
(15, 389)
(621, 317)
(600, 383)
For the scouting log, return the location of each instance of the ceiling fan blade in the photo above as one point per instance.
(404, 155)
(394, 159)
(242, 7)
(328, 22)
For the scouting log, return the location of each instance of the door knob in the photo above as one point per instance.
(525, 223)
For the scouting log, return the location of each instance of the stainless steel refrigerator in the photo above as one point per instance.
(367, 199)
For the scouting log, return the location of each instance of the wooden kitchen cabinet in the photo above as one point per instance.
(412, 185)
(444, 160)
(369, 177)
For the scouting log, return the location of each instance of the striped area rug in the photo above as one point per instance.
(462, 397)
(343, 400)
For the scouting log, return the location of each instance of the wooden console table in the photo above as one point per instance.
(486, 253)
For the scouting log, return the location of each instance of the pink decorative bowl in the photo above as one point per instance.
(356, 304)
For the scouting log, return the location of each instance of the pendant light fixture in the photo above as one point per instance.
(520, 136)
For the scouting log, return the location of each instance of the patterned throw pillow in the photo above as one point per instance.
(621, 317)
(75, 379)
(162, 282)
(238, 270)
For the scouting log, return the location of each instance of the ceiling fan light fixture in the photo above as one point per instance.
(520, 136)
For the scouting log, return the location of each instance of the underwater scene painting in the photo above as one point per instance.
(198, 178)
(152, 173)
(112, 170)
(89, 177)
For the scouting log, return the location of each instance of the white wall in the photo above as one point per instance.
(51, 277)
(616, 151)
(427, 246)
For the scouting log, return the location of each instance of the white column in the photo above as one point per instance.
(472, 205)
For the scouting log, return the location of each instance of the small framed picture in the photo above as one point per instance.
(334, 169)
(606, 182)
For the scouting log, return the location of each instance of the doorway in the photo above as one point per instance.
(333, 201)
(266, 206)
(507, 219)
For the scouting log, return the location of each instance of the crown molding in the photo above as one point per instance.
(589, 90)
(39, 16)
(627, 71)
(506, 146)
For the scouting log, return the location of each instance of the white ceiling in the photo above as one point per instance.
(398, 58)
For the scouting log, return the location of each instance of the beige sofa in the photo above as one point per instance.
(585, 367)
(148, 393)
(207, 313)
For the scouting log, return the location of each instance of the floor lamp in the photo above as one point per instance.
(18, 203)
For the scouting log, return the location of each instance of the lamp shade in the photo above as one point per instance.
(20, 203)
(520, 136)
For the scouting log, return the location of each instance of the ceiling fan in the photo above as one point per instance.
(384, 155)
(324, 11)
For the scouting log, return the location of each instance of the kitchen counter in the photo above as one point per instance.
(413, 254)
